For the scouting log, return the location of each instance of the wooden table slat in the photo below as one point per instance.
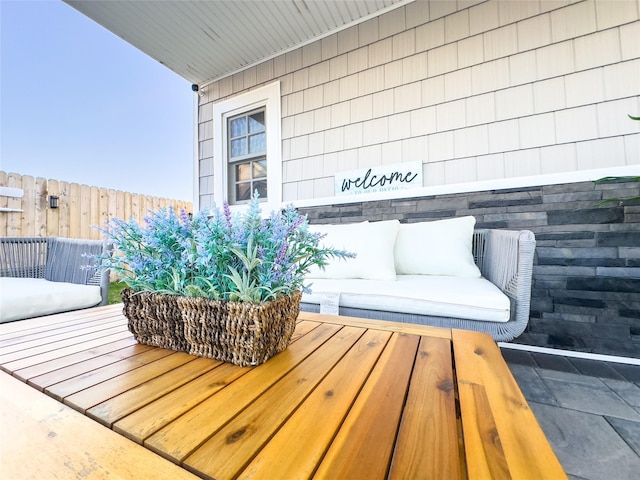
(94, 374)
(495, 415)
(92, 396)
(178, 439)
(296, 449)
(44, 439)
(29, 361)
(69, 360)
(94, 360)
(144, 422)
(232, 447)
(16, 353)
(427, 446)
(363, 446)
(61, 339)
(52, 322)
(127, 402)
(47, 332)
(399, 327)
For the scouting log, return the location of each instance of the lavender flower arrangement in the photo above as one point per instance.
(218, 254)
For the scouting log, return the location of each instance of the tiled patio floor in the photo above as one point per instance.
(589, 410)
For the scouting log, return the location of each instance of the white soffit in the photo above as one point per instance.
(206, 40)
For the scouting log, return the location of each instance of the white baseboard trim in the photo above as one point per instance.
(569, 353)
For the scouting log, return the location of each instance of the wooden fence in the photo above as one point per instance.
(80, 207)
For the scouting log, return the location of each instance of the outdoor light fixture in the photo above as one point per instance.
(53, 201)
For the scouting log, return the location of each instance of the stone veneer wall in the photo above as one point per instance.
(586, 288)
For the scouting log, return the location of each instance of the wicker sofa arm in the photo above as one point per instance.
(23, 257)
(54, 259)
(505, 258)
(68, 260)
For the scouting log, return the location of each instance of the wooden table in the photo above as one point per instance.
(349, 398)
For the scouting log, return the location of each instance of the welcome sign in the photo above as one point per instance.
(384, 178)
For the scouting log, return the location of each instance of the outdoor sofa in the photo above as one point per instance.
(41, 276)
(441, 273)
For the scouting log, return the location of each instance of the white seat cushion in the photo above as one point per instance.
(439, 247)
(31, 297)
(431, 295)
(372, 242)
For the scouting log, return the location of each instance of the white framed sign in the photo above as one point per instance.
(383, 178)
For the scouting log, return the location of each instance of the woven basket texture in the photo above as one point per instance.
(241, 333)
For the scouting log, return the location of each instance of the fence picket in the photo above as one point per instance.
(80, 207)
(53, 216)
(4, 216)
(40, 216)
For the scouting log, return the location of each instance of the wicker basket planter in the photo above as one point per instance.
(241, 333)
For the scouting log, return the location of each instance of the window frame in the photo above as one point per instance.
(248, 158)
(267, 97)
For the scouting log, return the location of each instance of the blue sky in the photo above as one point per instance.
(79, 104)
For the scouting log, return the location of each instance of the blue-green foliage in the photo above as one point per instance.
(218, 254)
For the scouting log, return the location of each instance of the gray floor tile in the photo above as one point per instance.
(554, 362)
(628, 391)
(595, 369)
(532, 386)
(591, 399)
(586, 445)
(569, 377)
(629, 431)
(630, 372)
(521, 357)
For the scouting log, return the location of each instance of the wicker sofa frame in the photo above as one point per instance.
(55, 259)
(505, 258)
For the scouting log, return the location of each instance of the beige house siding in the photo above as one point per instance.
(477, 91)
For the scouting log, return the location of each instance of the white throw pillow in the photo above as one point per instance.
(441, 247)
(373, 243)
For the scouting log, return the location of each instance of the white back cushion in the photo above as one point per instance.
(372, 242)
(441, 247)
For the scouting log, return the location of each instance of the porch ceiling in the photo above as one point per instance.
(205, 40)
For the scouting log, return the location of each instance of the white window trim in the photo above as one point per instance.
(269, 97)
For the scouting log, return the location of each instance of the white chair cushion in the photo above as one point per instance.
(431, 295)
(372, 242)
(441, 247)
(31, 297)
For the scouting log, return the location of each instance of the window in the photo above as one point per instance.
(247, 148)
(247, 157)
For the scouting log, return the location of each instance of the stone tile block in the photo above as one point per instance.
(619, 239)
(628, 391)
(630, 372)
(553, 362)
(578, 438)
(517, 357)
(629, 431)
(596, 369)
(587, 394)
(587, 216)
(531, 385)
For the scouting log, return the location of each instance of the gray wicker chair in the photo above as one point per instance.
(505, 258)
(55, 259)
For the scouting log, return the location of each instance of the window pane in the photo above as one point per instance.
(256, 122)
(260, 169)
(238, 147)
(257, 143)
(261, 186)
(243, 172)
(238, 127)
(243, 191)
